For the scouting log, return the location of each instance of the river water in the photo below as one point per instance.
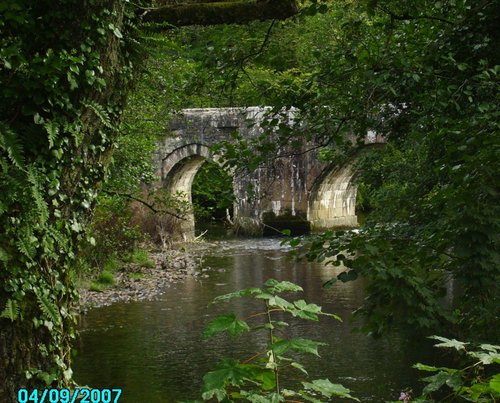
(155, 352)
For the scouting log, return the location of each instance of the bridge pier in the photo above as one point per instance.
(299, 188)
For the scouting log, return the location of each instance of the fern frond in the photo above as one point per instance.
(3, 208)
(10, 144)
(35, 179)
(48, 308)
(57, 236)
(4, 256)
(52, 130)
(11, 310)
(26, 241)
(100, 112)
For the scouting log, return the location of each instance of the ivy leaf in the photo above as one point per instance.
(299, 345)
(329, 284)
(116, 31)
(228, 323)
(328, 389)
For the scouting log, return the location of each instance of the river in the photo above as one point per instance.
(155, 352)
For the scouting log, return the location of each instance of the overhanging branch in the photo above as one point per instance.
(221, 12)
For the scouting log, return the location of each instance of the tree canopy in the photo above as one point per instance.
(425, 76)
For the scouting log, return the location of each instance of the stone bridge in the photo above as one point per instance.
(297, 188)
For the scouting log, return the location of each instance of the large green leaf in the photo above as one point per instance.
(494, 384)
(304, 310)
(328, 389)
(299, 345)
(227, 372)
(237, 294)
(275, 286)
(436, 381)
(449, 343)
(226, 323)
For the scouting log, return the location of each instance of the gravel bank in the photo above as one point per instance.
(136, 283)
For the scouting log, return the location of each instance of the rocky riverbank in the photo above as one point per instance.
(136, 283)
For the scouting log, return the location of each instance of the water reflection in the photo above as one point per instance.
(155, 352)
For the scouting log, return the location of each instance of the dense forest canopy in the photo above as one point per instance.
(422, 73)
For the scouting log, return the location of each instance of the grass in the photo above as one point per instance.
(106, 278)
(111, 265)
(135, 276)
(97, 287)
(140, 257)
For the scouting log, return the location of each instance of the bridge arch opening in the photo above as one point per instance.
(332, 201)
(213, 198)
(179, 170)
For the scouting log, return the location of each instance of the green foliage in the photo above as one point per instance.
(258, 379)
(111, 232)
(63, 88)
(426, 78)
(135, 276)
(96, 287)
(212, 192)
(112, 264)
(11, 310)
(477, 381)
(140, 257)
(106, 278)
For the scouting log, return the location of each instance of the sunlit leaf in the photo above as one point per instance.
(226, 323)
(328, 389)
(298, 345)
(449, 343)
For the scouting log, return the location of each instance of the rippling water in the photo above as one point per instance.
(154, 350)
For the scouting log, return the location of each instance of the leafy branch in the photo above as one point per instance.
(257, 379)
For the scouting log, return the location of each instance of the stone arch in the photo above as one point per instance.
(332, 200)
(179, 168)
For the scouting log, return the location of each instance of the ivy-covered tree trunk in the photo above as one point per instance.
(65, 70)
(63, 89)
